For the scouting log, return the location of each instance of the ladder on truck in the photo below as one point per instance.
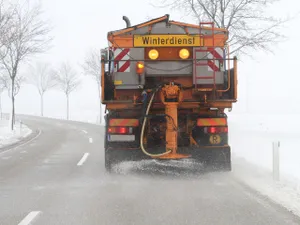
(205, 62)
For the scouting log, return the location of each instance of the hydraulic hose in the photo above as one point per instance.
(143, 130)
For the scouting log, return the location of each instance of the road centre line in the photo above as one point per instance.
(29, 218)
(83, 159)
(91, 140)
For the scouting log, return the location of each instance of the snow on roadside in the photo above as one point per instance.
(285, 192)
(251, 138)
(8, 137)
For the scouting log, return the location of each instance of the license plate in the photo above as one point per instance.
(120, 138)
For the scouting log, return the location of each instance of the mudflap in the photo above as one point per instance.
(218, 159)
(114, 156)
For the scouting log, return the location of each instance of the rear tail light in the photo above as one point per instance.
(215, 130)
(120, 130)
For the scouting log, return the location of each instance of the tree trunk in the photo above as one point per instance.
(12, 122)
(1, 105)
(14, 113)
(42, 104)
(67, 107)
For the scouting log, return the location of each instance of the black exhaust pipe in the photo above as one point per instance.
(127, 21)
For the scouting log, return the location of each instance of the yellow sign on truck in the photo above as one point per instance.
(167, 40)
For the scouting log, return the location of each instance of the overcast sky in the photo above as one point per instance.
(273, 80)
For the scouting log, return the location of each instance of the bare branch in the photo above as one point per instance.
(42, 77)
(248, 24)
(4, 82)
(27, 35)
(67, 79)
(13, 85)
(92, 65)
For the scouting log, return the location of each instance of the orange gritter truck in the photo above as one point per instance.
(166, 86)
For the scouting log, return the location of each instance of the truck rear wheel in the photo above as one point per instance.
(108, 162)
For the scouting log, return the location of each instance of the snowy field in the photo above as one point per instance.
(8, 137)
(251, 138)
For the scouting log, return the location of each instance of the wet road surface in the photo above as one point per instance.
(59, 178)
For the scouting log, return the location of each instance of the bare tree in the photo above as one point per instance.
(67, 80)
(92, 67)
(247, 21)
(12, 91)
(27, 35)
(7, 13)
(43, 78)
(3, 84)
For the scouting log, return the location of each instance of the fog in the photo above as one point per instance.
(267, 81)
(268, 101)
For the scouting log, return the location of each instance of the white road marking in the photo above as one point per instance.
(27, 142)
(84, 131)
(83, 159)
(29, 218)
(91, 140)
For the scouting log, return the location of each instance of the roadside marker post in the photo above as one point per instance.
(276, 161)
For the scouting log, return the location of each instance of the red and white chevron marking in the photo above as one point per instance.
(216, 53)
(122, 59)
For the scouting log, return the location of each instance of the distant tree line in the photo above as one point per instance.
(24, 34)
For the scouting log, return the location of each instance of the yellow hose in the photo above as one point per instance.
(143, 129)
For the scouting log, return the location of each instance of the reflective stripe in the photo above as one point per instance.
(206, 122)
(122, 59)
(124, 122)
(216, 53)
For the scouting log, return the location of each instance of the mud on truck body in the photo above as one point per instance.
(166, 86)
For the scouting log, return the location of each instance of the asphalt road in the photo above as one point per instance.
(59, 178)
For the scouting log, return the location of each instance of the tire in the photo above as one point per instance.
(107, 157)
(225, 164)
(108, 162)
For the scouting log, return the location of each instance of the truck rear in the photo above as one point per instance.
(166, 86)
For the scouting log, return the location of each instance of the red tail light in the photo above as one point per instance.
(212, 130)
(120, 130)
(215, 130)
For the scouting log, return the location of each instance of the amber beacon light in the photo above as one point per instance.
(153, 54)
(184, 53)
(140, 67)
